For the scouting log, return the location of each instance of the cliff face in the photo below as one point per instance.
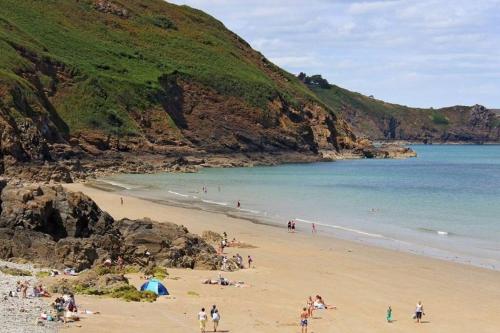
(378, 120)
(80, 79)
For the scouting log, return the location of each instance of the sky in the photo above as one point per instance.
(418, 53)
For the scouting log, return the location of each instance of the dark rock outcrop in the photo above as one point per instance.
(58, 228)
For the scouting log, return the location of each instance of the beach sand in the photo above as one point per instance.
(362, 281)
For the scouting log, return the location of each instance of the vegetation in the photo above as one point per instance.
(113, 62)
(131, 294)
(14, 271)
(158, 272)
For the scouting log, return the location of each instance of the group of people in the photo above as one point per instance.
(22, 290)
(65, 309)
(417, 316)
(203, 318)
(307, 311)
(291, 227)
(239, 261)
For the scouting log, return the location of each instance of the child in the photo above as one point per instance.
(389, 315)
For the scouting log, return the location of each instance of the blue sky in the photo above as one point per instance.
(417, 53)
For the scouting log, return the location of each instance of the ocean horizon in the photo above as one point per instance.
(443, 204)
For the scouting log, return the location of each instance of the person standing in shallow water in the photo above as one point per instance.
(293, 226)
(289, 226)
(238, 205)
(313, 228)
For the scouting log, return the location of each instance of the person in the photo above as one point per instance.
(293, 226)
(238, 205)
(24, 289)
(239, 260)
(320, 304)
(224, 263)
(119, 262)
(289, 226)
(303, 320)
(214, 313)
(419, 311)
(202, 318)
(250, 261)
(389, 314)
(314, 228)
(310, 306)
(121, 200)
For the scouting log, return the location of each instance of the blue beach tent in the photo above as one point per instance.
(155, 286)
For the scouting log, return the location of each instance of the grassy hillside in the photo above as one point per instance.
(98, 61)
(380, 120)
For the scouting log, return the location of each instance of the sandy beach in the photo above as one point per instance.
(361, 281)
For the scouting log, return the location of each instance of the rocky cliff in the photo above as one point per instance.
(378, 120)
(87, 80)
(57, 228)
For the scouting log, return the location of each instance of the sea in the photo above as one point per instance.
(445, 203)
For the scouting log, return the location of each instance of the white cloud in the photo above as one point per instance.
(411, 52)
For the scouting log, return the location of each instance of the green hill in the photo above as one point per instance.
(145, 76)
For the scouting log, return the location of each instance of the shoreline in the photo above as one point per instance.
(361, 280)
(336, 232)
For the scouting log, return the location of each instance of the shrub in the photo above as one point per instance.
(14, 271)
(131, 294)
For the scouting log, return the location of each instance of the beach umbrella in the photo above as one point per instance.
(155, 286)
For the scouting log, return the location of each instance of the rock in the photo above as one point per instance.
(61, 229)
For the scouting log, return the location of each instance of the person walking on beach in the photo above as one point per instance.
(202, 318)
(389, 314)
(419, 312)
(214, 314)
(121, 200)
(303, 320)
(250, 261)
(293, 226)
(289, 226)
(313, 228)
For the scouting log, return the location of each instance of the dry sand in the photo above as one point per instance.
(360, 280)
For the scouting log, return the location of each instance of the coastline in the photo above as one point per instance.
(361, 280)
(343, 231)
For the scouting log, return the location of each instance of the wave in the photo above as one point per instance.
(250, 211)
(179, 194)
(360, 232)
(215, 202)
(118, 184)
(435, 231)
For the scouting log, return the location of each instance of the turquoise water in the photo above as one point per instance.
(444, 203)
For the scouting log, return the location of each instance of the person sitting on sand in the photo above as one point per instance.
(320, 304)
(42, 292)
(303, 320)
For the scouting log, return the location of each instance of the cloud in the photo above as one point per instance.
(422, 53)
